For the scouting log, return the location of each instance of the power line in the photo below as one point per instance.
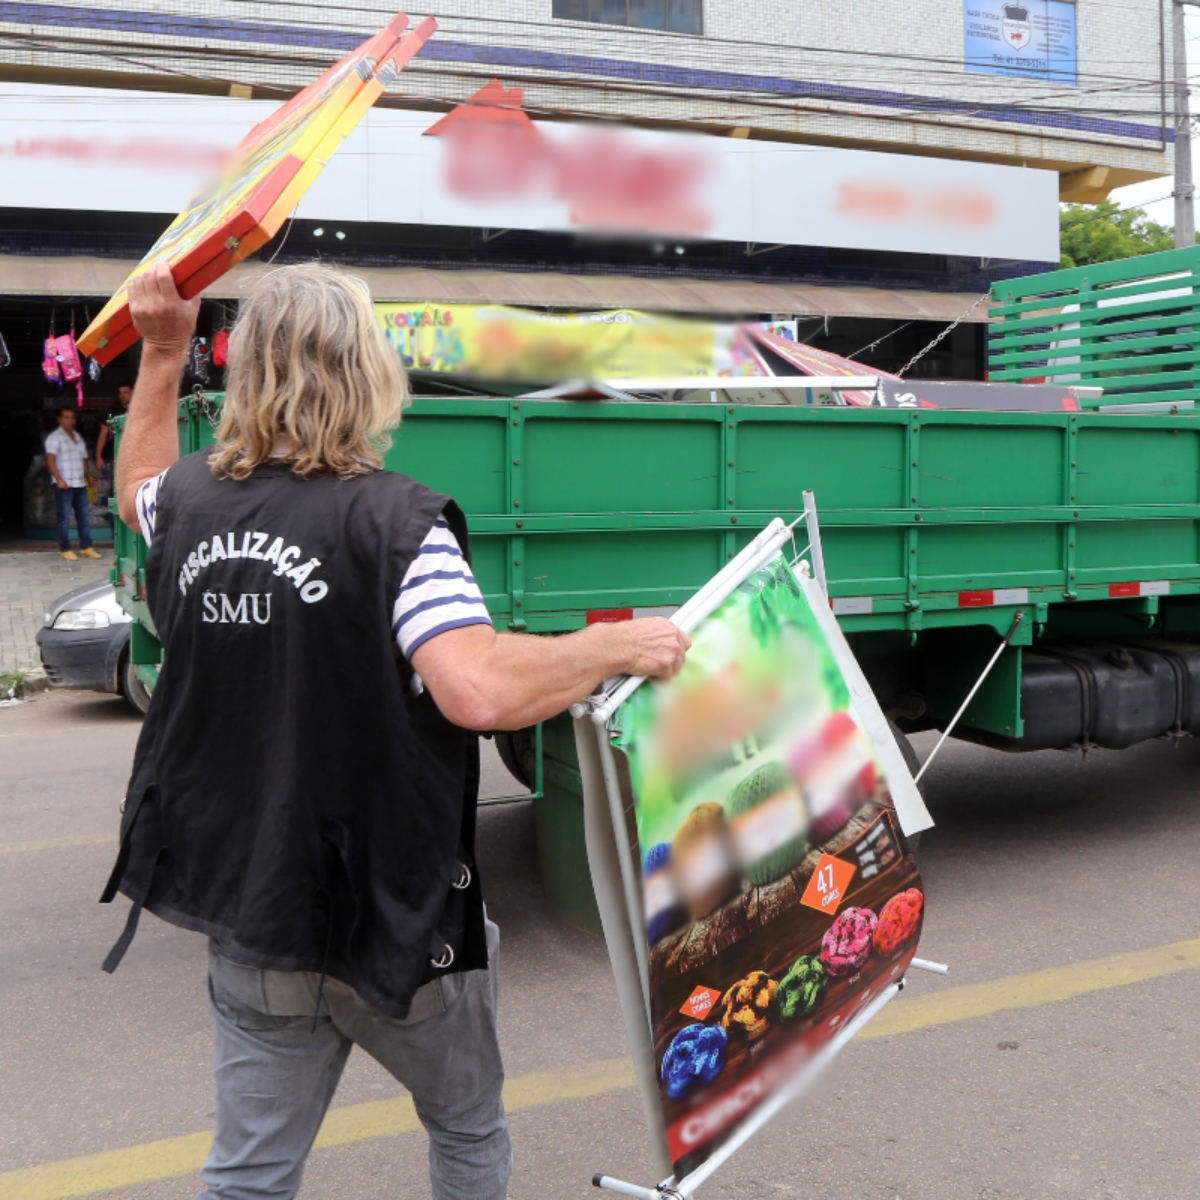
(1134, 208)
(919, 106)
(956, 64)
(936, 106)
(702, 45)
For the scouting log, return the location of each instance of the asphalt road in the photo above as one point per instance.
(986, 1085)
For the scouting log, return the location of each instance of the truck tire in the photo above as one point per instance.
(913, 763)
(136, 694)
(517, 750)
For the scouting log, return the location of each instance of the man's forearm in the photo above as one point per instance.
(538, 677)
(485, 680)
(150, 442)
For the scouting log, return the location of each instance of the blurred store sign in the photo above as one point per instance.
(489, 165)
(499, 342)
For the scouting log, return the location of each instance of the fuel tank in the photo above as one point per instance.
(1107, 694)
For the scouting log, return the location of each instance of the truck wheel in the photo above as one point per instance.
(136, 694)
(912, 763)
(517, 750)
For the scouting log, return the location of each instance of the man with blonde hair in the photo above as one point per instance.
(304, 787)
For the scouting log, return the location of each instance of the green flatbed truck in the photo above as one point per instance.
(939, 530)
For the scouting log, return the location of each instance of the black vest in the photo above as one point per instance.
(295, 795)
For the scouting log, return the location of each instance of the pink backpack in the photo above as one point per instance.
(68, 356)
(50, 367)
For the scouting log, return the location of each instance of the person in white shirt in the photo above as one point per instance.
(67, 458)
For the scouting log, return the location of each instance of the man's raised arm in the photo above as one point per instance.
(150, 442)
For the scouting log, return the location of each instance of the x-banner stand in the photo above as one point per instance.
(615, 873)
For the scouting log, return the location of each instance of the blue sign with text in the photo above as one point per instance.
(1034, 39)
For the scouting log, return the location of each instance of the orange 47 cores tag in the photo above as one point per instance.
(828, 884)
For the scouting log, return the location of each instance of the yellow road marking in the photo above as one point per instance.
(382, 1118)
(1031, 990)
(102, 839)
(173, 1158)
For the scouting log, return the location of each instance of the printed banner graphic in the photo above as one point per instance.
(780, 895)
(498, 342)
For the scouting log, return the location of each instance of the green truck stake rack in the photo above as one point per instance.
(1131, 327)
(938, 528)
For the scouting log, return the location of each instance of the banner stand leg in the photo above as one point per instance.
(629, 871)
(603, 859)
(766, 1112)
(628, 1189)
(924, 964)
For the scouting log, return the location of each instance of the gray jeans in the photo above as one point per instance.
(276, 1076)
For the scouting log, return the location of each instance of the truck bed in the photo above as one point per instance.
(929, 519)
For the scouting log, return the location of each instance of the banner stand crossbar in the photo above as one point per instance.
(703, 604)
(764, 1114)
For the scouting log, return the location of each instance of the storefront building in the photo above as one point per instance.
(865, 168)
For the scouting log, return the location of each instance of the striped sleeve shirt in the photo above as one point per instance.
(438, 592)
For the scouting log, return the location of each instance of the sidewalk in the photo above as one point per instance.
(29, 580)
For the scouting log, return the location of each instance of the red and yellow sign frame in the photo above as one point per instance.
(271, 169)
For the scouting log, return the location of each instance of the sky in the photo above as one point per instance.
(1154, 196)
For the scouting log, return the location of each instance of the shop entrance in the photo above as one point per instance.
(29, 407)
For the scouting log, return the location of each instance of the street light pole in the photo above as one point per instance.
(1185, 211)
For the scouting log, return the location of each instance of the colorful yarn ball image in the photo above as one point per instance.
(694, 1057)
(801, 989)
(749, 1008)
(657, 857)
(836, 773)
(847, 942)
(898, 920)
(702, 861)
(664, 912)
(768, 824)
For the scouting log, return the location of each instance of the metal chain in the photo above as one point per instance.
(944, 334)
(207, 411)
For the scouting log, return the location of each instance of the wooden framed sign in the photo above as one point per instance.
(268, 173)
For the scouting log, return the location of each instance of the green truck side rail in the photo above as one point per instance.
(577, 506)
(938, 528)
(1131, 327)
